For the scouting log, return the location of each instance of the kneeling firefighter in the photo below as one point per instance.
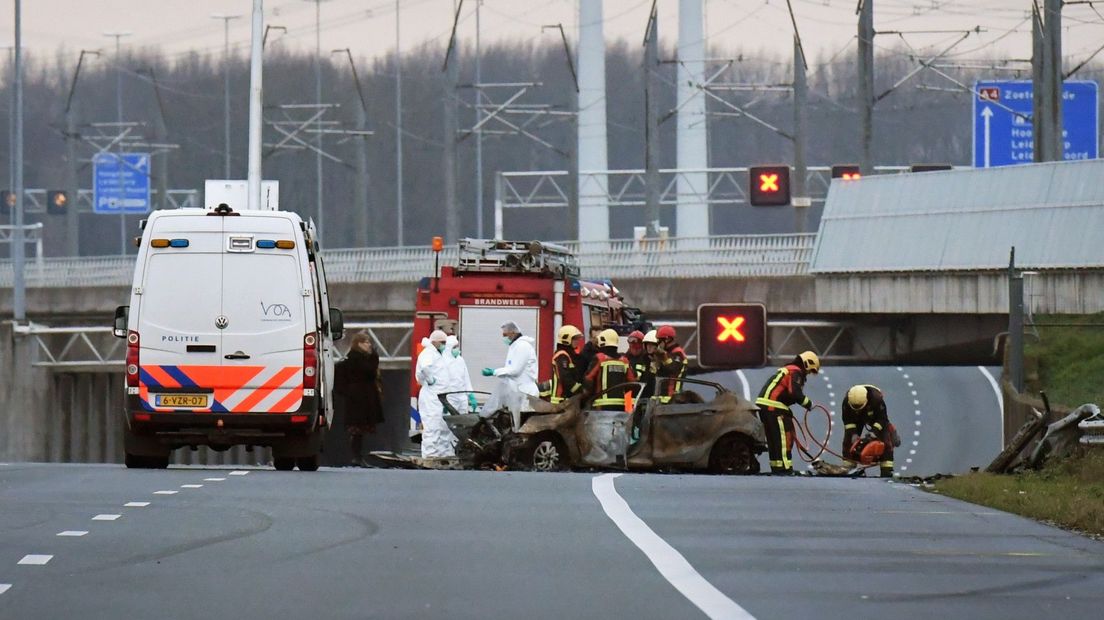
(865, 408)
(785, 388)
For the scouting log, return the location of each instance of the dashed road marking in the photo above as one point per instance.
(165, 492)
(72, 533)
(239, 473)
(136, 504)
(35, 560)
(106, 517)
(918, 422)
(214, 479)
(191, 486)
(916, 433)
(667, 560)
(4, 587)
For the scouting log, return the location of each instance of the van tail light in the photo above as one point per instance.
(132, 359)
(310, 361)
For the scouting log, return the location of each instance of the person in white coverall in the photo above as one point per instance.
(518, 375)
(459, 379)
(432, 374)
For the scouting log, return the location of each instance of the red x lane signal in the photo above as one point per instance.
(732, 335)
(769, 186)
(730, 328)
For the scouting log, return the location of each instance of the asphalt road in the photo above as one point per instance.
(948, 417)
(416, 544)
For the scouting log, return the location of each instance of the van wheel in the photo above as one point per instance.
(732, 454)
(309, 463)
(284, 463)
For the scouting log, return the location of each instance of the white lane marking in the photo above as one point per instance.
(916, 433)
(73, 533)
(165, 492)
(916, 443)
(905, 375)
(918, 422)
(996, 392)
(914, 392)
(4, 587)
(908, 460)
(829, 386)
(191, 486)
(214, 479)
(136, 504)
(910, 384)
(912, 452)
(831, 394)
(916, 402)
(238, 473)
(832, 404)
(106, 517)
(744, 384)
(667, 560)
(917, 412)
(35, 560)
(900, 369)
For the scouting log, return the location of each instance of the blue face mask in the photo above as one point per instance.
(456, 352)
(439, 346)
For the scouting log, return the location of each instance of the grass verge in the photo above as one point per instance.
(1070, 355)
(1068, 493)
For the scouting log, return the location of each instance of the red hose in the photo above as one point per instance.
(805, 437)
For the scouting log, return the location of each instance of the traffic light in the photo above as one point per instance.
(7, 201)
(847, 172)
(930, 167)
(57, 202)
(769, 186)
(732, 335)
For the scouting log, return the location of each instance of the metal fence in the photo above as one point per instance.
(677, 257)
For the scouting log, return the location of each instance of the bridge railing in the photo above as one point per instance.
(676, 257)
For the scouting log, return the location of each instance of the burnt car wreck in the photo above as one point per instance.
(721, 435)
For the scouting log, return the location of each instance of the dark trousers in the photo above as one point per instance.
(779, 427)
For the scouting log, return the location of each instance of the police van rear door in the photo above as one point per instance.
(263, 300)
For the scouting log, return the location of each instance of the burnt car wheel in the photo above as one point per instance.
(732, 454)
(548, 454)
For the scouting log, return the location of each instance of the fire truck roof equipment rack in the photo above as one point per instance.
(492, 255)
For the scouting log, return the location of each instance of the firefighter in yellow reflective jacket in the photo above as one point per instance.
(566, 381)
(608, 369)
(785, 388)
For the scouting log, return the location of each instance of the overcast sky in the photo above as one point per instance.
(368, 26)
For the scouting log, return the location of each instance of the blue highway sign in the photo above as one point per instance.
(121, 183)
(1003, 135)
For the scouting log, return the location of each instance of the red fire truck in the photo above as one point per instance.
(533, 284)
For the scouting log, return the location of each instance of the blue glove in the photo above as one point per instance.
(488, 372)
(472, 403)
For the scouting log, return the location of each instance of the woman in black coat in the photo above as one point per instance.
(358, 381)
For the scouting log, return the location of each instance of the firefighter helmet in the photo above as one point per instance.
(856, 397)
(568, 333)
(810, 361)
(636, 335)
(651, 337)
(665, 332)
(608, 338)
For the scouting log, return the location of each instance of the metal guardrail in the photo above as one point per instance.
(676, 257)
(94, 348)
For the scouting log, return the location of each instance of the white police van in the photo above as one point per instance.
(229, 337)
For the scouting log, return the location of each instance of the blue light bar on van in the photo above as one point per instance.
(265, 244)
(178, 243)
